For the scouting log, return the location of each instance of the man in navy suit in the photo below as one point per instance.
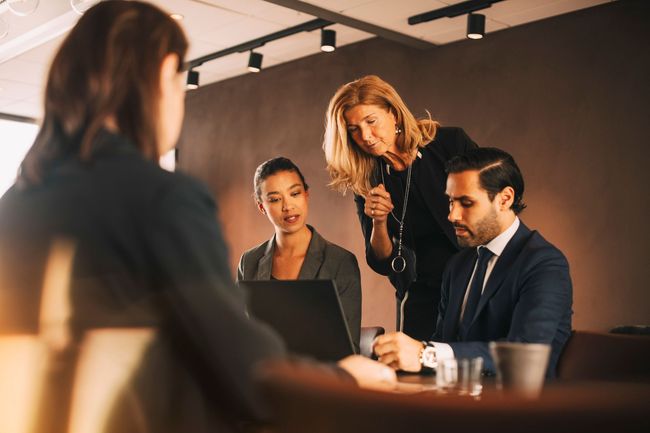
(509, 284)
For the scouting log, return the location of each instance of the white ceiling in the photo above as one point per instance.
(212, 25)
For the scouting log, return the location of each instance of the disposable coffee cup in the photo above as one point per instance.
(521, 367)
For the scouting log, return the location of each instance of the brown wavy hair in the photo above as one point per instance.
(107, 66)
(349, 166)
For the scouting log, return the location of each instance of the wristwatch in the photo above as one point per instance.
(428, 356)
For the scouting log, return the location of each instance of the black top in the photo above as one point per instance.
(429, 239)
(148, 252)
(429, 242)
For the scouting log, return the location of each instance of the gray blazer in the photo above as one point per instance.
(324, 261)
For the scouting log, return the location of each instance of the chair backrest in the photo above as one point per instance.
(108, 359)
(605, 356)
(23, 365)
(631, 330)
(34, 366)
(49, 383)
(368, 335)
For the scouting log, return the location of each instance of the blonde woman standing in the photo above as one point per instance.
(394, 165)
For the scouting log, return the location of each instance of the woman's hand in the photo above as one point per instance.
(368, 373)
(378, 204)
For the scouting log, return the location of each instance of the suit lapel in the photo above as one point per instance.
(502, 267)
(457, 294)
(265, 263)
(314, 258)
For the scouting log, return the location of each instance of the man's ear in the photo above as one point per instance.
(506, 198)
(260, 207)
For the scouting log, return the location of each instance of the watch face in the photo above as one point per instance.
(429, 357)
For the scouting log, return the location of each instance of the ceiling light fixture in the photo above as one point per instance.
(255, 62)
(192, 79)
(61, 19)
(4, 28)
(256, 43)
(81, 6)
(327, 40)
(475, 26)
(22, 8)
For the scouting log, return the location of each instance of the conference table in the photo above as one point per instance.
(308, 401)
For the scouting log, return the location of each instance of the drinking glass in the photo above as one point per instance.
(460, 376)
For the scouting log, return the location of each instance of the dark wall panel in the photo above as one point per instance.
(567, 96)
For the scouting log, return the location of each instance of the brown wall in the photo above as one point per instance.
(567, 96)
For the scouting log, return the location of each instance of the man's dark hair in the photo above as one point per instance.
(269, 168)
(497, 170)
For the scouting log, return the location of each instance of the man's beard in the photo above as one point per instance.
(486, 229)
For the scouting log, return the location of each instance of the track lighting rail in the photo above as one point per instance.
(452, 11)
(256, 43)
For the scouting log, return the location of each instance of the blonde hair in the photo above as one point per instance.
(349, 166)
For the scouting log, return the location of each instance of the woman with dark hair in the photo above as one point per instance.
(297, 251)
(148, 249)
(394, 165)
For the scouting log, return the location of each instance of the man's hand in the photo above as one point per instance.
(398, 351)
(368, 373)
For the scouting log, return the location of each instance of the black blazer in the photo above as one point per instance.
(324, 261)
(527, 298)
(149, 253)
(431, 180)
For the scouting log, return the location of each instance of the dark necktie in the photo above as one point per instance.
(475, 289)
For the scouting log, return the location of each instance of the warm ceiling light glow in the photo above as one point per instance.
(4, 28)
(177, 17)
(22, 8)
(81, 6)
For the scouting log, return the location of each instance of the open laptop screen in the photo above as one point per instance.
(306, 313)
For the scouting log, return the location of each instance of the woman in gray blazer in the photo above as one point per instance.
(296, 251)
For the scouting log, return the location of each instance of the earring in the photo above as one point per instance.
(398, 130)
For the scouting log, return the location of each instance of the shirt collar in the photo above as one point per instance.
(498, 244)
(419, 156)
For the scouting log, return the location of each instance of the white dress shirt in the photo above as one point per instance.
(496, 246)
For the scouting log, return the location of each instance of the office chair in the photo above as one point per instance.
(605, 356)
(368, 335)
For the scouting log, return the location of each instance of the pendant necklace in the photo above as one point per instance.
(399, 262)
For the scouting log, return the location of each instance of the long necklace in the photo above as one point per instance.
(399, 262)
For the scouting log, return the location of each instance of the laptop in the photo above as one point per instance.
(306, 313)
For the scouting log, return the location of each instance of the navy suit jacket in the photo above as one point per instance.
(527, 298)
